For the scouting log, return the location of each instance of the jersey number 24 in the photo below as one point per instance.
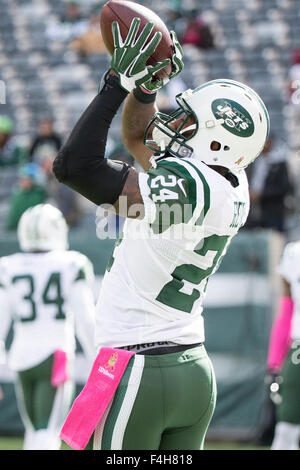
(172, 294)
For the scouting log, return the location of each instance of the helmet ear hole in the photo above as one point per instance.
(226, 147)
(215, 146)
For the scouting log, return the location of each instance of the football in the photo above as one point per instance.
(123, 12)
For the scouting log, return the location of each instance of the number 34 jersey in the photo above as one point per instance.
(48, 297)
(156, 280)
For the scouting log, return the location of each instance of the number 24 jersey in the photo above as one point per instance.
(156, 280)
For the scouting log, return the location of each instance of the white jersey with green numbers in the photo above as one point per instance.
(289, 268)
(47, 297)
(155, 283)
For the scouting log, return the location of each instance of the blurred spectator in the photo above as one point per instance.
(174, 4)
(72, 24)
(270, 183)
(43, 151)
(72, 12)
(29, 193)
(175, 18)
(46, 143)
(294, 72)
(293, 92)
(67, 201)
(60, 195)
(197, 33)
(11, 153)
(90, 42)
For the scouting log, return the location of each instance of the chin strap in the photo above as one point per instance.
(155, 158)
(189, 128)
(232, 179)
(162, 140)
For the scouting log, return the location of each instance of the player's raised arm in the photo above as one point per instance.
(140, 107)
(81, 162)
(280, 338)
(135, 118)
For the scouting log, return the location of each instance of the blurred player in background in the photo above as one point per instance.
(284, 353)
(46, 291)
(152, 293)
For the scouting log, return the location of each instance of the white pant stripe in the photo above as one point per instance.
(128, 402)
(125, 410)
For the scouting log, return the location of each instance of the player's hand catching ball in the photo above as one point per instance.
(130, 57)
(154, 84)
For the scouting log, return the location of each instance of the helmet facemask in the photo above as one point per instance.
(161, 137)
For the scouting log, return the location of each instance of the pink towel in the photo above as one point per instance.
(89, 406)
(59, 368)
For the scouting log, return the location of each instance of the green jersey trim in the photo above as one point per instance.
(179, 170)
(173, 194)
(81, 275)
(85, 272)
(173, 184)
(192, 168)
(206, 189)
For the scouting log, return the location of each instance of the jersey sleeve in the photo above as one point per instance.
(5, 313)
(83, 306)
(173, 193)
(83, 303)
(287, 263)
(4, 276)
(84, 270)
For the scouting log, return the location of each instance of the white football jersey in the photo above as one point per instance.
(289, 268)
(49, 298)
(155, 283)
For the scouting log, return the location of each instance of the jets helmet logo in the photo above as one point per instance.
(236, 119)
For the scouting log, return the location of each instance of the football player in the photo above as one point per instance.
(46, 291)
(152, 293)
(284, 354)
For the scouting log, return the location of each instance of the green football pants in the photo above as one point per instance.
(40, 404)
(289, 409)
(162, 402)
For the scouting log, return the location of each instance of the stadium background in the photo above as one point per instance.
(45, 74)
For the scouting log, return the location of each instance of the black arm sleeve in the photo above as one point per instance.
(80, 163)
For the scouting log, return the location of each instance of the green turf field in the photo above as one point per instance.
(15, 443)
